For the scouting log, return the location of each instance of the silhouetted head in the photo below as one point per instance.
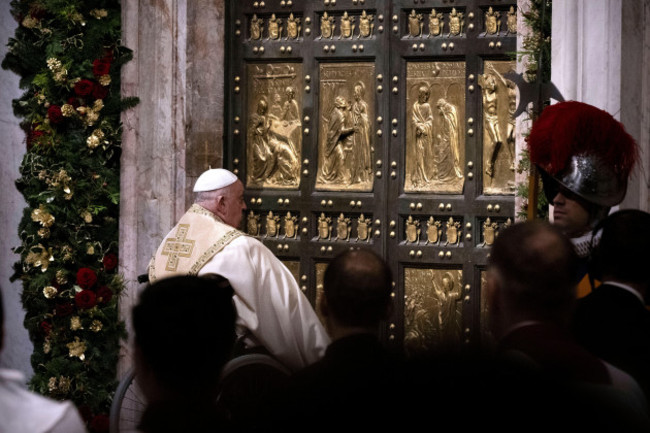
(184, 330)
(357, 288)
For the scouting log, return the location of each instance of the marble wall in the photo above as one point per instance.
(176, 132)
(17, 348)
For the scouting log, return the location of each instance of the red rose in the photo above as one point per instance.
(104, 295)
(63, 310)
(45, 327)
(84, 87)
(74, 101)
(99, 424)
(32, 137)
(85, 299)
(54, 114)
(86, 278)
(101, 66)
(109, 261)
(99, 92)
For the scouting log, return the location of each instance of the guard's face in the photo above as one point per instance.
(570, 213)
(234, 205)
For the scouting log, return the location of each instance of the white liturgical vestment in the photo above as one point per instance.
(23, 411)
(269, 303)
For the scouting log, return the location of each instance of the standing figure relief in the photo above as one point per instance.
(422, 121)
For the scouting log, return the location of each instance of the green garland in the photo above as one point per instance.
(536, 42)
(68, 56)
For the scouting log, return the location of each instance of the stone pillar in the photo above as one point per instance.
(175, 132)
(601, 56)
(17, 348)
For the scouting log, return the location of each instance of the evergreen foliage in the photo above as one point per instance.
(68, 56)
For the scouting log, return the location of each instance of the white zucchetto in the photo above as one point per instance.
(215, 178)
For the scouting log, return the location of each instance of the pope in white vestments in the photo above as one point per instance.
(272, 310)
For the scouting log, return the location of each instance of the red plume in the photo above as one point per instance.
(575, 128)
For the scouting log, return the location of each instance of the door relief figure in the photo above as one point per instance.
(324, 227)
(290, 225)
(422, 121)
(366, 25)
(253, 224)
(327, 26)
(433, 231)
(412, 230)
(456, 22)
(435, 23)
(293, 27)
(347, 26)
(342, 228)
(415, 24)
(447, 150)
(275, 27)
(492, 21)
(363, 228)
(257, 26)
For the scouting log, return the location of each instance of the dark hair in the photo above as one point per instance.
(357, 286)
(537, 266)
(185, 329)
(621, 251)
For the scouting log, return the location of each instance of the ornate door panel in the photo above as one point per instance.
(381, 124)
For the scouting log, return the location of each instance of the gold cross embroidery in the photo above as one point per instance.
(177, 247)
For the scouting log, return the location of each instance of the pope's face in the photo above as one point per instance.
(234, 205)
(570, 214)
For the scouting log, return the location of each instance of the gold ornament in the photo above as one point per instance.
(42, 216)
(77, 349)
(47, 346)
(50, 292)
(30, 22)
(44, 232)
(66, 252)
(61, 277)
(99, 13)
(41, 259)
(90, 249)
(64, 384)
(97, 106)
(75, 323)
(105, 80)
(68, 110)
(51, 384)
(91, 117)
(96, 326)
(92, 141)
(87, 216)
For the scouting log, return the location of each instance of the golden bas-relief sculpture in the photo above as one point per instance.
(274, 130)
(320, 276)
(345, 140)
(435, 138)
(499, 97)
(432, 309)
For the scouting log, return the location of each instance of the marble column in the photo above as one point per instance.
(601, 56)
(175, 132)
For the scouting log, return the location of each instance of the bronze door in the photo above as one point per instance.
(378, 124)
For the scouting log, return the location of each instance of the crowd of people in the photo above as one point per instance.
(560, 358)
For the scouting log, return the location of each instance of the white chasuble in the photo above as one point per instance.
(270, 305)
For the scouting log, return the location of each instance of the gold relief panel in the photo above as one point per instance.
(364, 228)
(436, 23)
(432, 309)
(294, 268)
(487, 338)
(435, 137)
(346, 140)
(274, 130)
(499, 96)
(320, 276)
(290, 225)
(272, 225)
